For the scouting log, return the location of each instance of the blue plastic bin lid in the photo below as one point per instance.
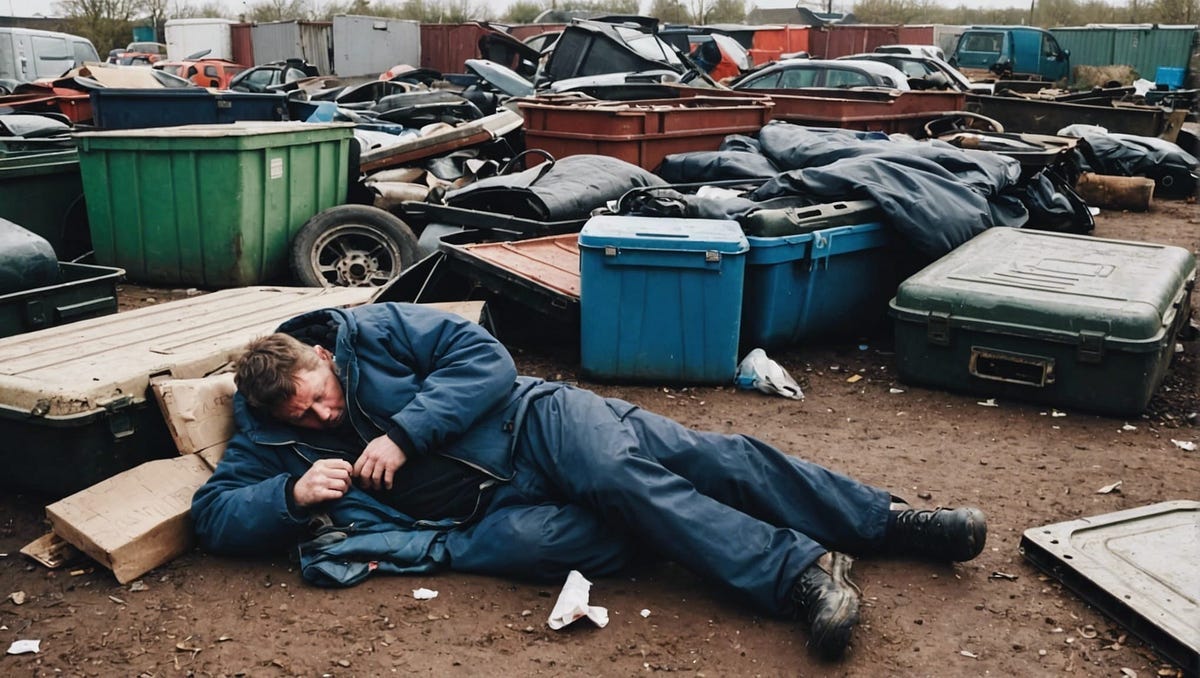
(664, 234)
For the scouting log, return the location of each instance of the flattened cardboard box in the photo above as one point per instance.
(199, 412)
(135, 520)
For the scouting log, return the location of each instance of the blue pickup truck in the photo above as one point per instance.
(1011, 52)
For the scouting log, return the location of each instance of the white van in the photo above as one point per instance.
(27, 54)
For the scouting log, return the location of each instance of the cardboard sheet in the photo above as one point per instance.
(135, 520)
(199, 412)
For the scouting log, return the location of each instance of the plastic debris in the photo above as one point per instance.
(1056, 413)
(854, 378)
(968, 653)
(1128, 427)
(1002, 575)
(1184, 445)
(25, 647)
(990, 402)
(572, 604)
(17, 597)
(757, 371)
(424, 594)
(1107, 489)
(645, 613)
(895, 390)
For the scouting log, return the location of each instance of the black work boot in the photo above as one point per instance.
(939, 534)
(827, 601)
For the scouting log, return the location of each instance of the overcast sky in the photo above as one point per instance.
(45, 7)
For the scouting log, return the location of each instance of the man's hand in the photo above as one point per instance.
(378, 463)
(325, 480)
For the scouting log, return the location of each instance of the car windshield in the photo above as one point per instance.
(647, 45)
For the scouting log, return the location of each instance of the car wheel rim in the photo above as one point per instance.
(355, 256)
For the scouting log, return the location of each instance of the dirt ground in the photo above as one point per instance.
(996, 615)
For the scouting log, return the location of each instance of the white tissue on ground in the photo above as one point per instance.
(573, 604)
(757, 371)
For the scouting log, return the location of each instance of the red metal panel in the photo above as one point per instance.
(916, 35)
(241, 44)
(445, 47)
(798, 38)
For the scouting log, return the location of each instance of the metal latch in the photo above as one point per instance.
(937, 328)
(712, 256)
(1091, 347)
(610, 250)
(120, 416)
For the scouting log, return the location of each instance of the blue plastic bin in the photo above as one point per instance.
(1171, 76)
(660, 299)
(832, 283)
(115, 108)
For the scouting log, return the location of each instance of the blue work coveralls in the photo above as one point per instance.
(573, 480)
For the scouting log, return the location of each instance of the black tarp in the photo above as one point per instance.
(934, 194)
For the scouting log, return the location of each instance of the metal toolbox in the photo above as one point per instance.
(75, 401)
(1065, 320)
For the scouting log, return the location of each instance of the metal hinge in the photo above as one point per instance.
(937, 328)
(120, 416)
(1091, 347)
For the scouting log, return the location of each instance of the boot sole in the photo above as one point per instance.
(831, 640)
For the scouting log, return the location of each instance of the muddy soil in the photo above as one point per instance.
(996, 615)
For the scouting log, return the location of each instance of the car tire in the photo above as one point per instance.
(352, 246)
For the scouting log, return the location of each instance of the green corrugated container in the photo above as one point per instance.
(209, 205)
(42, 192)
(1143, 48)
(1065, 320)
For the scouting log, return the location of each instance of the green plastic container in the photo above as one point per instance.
(209, 205)
(1065, 320)
(43, 192)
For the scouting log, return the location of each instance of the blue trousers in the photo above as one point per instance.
(597, 478)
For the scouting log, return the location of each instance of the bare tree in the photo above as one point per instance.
(669, 11)
(727, 12)
(181, 9)
(524, 11)
(107, 23)
(281, 10)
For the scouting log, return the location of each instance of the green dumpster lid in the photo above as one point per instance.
(243, 128)
(1029, 282)
(664, 234)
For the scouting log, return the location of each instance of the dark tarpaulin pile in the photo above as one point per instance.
(1175, 171)
(559, 190)
(937, 196)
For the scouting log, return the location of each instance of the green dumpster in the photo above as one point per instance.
(209, 205)
(42, 192)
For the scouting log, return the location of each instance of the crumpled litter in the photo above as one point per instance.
(572, 604)
(424, 594)
(25, 646)
(757, 371)
(1184, 445)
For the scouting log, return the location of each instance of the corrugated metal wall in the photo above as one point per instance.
(365, 45)
(444, 47)
(1142, 47)
(241, 37)
(309, 40)
(828, 42)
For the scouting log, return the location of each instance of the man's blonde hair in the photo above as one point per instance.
(268, 368)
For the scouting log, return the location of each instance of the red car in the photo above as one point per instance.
(204, 72)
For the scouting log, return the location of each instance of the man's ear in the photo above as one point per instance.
(322, 353)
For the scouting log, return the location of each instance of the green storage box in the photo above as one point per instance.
(1065, 320)
(75, 400)
(42, 192)
(209, 205)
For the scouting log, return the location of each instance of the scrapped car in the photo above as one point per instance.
(138, 54)
(272, 77)
(831, 73)
(913, 50)
(923, 72)
(631, 45)
(218, 73)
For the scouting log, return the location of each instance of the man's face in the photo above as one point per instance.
(319, 401)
